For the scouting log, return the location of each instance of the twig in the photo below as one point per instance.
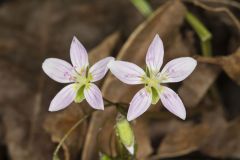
(230, 3)
(109, 103)
(218, 9)
(119, 106)
(209, 60)
(225, 2)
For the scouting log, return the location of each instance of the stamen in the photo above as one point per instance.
(75, 69)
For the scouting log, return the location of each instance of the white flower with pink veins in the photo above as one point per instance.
(80, 77)
(174, 71)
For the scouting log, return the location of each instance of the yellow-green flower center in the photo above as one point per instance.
(82, 78)
(151, 81)
(82, 81)
(152, 85)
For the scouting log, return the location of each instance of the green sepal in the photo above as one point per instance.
(80, 95)
(155, 96)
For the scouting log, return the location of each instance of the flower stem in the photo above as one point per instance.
(109, 102)
(55, 154)
(202, 32)
(120, 106)
(143, 7)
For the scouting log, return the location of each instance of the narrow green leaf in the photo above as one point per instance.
(143, 7)
(203, 33)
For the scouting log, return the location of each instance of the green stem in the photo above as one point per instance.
(143, 7)
(120, 106)
(203, 33)
(109, 102)
(55, 154)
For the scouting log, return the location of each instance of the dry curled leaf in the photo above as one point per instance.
(141, 131)
(194, 88)
(91, 145)
(183, 141)
(230, 64)
(224, 141)
(182, 138)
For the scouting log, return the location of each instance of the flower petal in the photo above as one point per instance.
(99, 69)
(172, 102)
(127, 72)
(94, 97)
(78, 54)
(177, 69)
(130, 149)
(59, 70)
(63, 98)
(139, 104)
(155, 53)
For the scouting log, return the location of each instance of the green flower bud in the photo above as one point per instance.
(125, 133)
(55, 157)
(104, 157)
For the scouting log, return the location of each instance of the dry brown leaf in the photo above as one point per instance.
(91, 145)
(105, 48)
(141, 131)
(225, 141)
(230, 64)
(107, 137)
(182, 138)
(57, 125)
(19, 85)
(183, 141)
(20, 134)
(194, 88)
